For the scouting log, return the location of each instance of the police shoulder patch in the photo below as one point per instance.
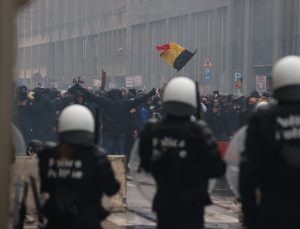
(202, 124)
(49, 145)
(152, 120)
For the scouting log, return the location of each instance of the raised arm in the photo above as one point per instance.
(135, 102)
(100, 100)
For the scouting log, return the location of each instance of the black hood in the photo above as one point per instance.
(114, 94)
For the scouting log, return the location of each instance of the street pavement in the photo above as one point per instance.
(223, 214)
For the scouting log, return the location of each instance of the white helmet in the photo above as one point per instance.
(76, 125)
(180, 97)
(286, 79)
(263, 105)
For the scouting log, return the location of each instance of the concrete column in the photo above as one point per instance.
(7, 14)
(247, 55)
(215, 81)
(128, 48)
(228, 59)
(190, 40)
(68, 60)
(276, 29)
(147, 71)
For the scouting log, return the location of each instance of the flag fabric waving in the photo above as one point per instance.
(175, 55)
(238, 84)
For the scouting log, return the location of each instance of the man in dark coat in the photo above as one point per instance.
(115, 116)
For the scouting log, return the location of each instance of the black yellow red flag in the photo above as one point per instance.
(175, 55)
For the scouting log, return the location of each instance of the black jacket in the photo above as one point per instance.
(271, 163)
(181, 155)
(43, 116)
(115, 111)
(23, 121)
(75, 186)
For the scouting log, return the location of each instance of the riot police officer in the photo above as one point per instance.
(270, 163)
(181, 155)
(75, 173)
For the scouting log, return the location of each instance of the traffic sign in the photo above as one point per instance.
(208, 73)
(207, 63)
(238, 78)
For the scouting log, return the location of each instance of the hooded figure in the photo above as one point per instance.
(22, 113)
(115, 116)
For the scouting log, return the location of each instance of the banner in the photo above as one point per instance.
(133, 81)
(261, 84)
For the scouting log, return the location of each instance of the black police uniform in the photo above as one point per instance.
(75, 186)
(271, 163)
(181, 155)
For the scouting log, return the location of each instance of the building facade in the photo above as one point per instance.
(63, 39)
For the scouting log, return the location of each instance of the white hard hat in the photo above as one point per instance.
(180, 97)
(76, 125)
(286, 78)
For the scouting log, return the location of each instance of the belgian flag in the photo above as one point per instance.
(175, 55)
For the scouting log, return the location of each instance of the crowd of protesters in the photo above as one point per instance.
(122, 112)
(225, 114)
